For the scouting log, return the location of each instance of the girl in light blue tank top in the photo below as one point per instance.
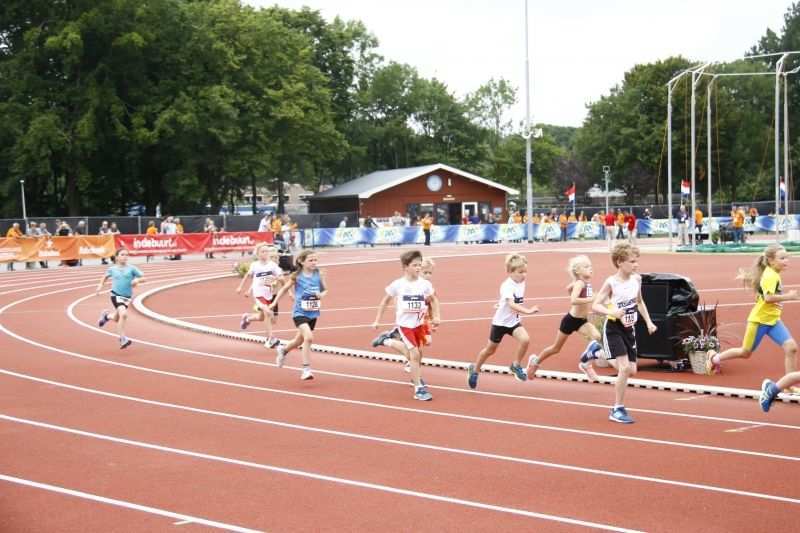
(310, 287)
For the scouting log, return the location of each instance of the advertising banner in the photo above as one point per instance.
(33, 249)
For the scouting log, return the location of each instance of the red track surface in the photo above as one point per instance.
(206, 428)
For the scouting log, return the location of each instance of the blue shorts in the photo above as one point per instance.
(755, 332)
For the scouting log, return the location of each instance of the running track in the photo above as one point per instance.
(185, 431)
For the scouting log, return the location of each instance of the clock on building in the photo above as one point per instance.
(434, 183)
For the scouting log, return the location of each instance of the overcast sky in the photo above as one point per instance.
(579, 49)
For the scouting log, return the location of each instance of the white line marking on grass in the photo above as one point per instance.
(125, 504)
(410, 444)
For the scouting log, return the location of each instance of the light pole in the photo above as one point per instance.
(527, 136)
(606, 171)
(24, 212)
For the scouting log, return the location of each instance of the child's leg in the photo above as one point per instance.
(792, 378)
(257, 316)
(484, 354)
(414, 357)
(626, 369)
(524, 341)
(553, 349)
(306, 337)
(295, 342)
(122, 314)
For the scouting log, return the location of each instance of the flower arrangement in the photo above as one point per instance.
(702, 337)
(700, 343)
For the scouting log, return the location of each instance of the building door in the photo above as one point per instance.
(468, 209)
(455, 214)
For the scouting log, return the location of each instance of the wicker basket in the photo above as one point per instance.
(698, 362)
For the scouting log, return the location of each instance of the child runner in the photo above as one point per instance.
(266, 275)
(770, 390)
(765, 317)
(124, 278)
(623, 291)
(506, 320)
(426, 273)
(411, 294)
(581, 298)
(310, 287)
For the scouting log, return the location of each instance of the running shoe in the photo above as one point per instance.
(518, 372)
(711, 366)
(620, 415)
(103, 318)
(281, 357)
(306, 374)
(590, 351)
(421, 382)
(530, 371)
(380, 339)
(472, 377)
(588, 369)
(244, 322)
(272, 342)
(421, 393)
(407, 367)
(124, 342)
(769, 391)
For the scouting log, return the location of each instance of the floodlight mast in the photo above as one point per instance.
(670, 87)
(527, 135)
(696, 75)
(778, 71)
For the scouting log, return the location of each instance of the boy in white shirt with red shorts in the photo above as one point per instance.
(411, 294)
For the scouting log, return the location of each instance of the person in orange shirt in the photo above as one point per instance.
(698, 225)
(517, 218)
(620, 224)
(151, 228)
(563, 224)
(13, 233)
(753, 214)
(738, 224)
(427, 222)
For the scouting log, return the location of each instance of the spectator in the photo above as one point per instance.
(630, 220)
(753, 214)
(682, 217)
(517, 217)
(80, 228)
(210, 227)
(104, 230)
(620, 224)
(64, 230)
(369, 223)
(151, 228)
(427, 222)
(114, 230)
(582, 217)
(265, 224)
(343, 223)
(572, 218)
(178, 231)
(608, 222)
(738, 225)
(563, 224)
(289, 227)
(276, 226)
(13, 233)
(490, 218)
(698, 225)
(32, 231)
(41, 231)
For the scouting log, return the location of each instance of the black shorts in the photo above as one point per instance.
(120, 301)
(570, 324)
(619, 341)
(497, 332)
(300, 319)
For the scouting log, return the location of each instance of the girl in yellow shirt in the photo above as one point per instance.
(765, 317)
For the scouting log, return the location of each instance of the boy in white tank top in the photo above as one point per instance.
(623, 292)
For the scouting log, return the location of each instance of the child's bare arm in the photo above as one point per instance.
(522, 309)
(381, 308)
(436, 317)
(281, 292)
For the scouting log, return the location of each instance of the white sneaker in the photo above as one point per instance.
(281, 357)
(306, 374)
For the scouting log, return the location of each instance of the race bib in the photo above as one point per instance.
(519, 299)
(412, 303)
(267, 281)
(630, 317)
(310, 304)
(588, 291)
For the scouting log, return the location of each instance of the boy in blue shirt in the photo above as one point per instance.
(124, 278)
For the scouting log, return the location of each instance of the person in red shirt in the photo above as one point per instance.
(610, 220)
(630, 220)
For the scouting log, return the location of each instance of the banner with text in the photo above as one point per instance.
(192, 243)
(32, 249)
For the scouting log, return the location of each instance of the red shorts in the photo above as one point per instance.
(263, 301)
(412, 337)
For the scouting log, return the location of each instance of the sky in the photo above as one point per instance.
(578, 49)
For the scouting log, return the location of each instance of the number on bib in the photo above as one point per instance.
(310, 304)
(413, 303)
(630, 317)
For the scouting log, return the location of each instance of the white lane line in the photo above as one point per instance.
(321, 477)
(182, 522)
(397, 442)
(125, 504)
(346, 401)
(743, 429)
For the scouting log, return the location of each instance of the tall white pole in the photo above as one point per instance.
(606, 170)
(695, 79)
(528, 133)
(708, 150)
(786, 148)
(670, 86)
(24, 211)
(778, 70)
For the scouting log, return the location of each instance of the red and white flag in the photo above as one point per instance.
(686, 188)
(570, 192)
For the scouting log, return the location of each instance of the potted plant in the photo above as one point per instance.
(701, 338)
